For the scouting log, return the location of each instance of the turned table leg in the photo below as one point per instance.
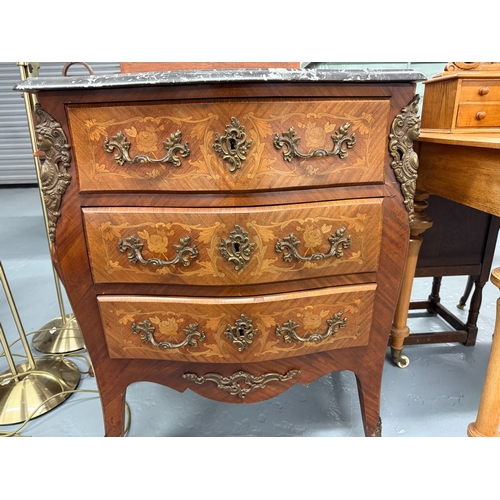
(488, 415)
(400, 330)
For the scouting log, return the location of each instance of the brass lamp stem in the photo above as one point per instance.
(8, 354)
(17, 320)
(30, 100)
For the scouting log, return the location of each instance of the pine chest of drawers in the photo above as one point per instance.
(232, 233)
(461, 102)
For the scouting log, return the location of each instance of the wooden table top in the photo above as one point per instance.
(473, 140)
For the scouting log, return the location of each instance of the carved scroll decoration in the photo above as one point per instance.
(240, 383)
(233, 146)
(341, 142)
(146, 330)
(290, 243)
(134, 246)
(242, 333)
(172, 146)
(237, 248)
(289, 330)
(54, 177)
(405, 130)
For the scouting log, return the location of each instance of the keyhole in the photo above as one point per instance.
(236, 247)
(241, 333)
(232, 143)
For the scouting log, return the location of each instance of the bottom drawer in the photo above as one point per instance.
(479, 115)
(234, 330)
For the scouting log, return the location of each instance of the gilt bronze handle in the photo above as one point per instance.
(146, 330)
(341, 142)
(134, 247)
(289, 330)
(172, 146)
(290, 243)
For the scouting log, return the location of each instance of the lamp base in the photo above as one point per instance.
(58, 337)
(20, 397)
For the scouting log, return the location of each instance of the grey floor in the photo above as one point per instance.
(437, 395)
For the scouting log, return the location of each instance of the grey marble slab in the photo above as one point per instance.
(217, 76)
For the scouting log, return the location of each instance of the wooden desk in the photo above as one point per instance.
(466, 168)
(461, 167)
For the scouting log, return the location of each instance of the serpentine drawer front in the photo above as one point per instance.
(228, 145)
(233, 330)
(226, 246)
(232, 233)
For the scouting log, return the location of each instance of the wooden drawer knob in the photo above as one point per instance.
(483, 90)
(480, 115)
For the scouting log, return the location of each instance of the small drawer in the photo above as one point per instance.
(237, 246)
(480, 90)
(249, 145)
(233, 330)
(479, 115)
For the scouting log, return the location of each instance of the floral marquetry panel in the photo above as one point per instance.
(235, 246)
(177, 146)
(325, 319)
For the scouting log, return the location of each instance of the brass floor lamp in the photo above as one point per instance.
(62, 334)
(34, 387)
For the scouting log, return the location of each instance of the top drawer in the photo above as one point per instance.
(480, 90)
(229, 145)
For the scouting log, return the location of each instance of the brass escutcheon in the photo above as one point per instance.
(237, 248)
(233, 146)
(242, 333)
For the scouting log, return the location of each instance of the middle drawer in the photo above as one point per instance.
(228, 246)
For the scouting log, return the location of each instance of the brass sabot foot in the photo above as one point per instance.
(58, 337)
(31, 389)
(378, 430)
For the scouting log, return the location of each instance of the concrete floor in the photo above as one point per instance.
(437, 395)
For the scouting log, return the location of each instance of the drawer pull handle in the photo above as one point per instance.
(242, 333)
(147, 330)
(480, 115)
(289, 330)
(134, 247)
(172, 146)
(341, 142)
(240, 383)
(237, 248)
(290, 243)
(484, 91)
(233, 146)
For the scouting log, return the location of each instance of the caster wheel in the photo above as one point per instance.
(403, 362)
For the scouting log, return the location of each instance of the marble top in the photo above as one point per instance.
(216, 76)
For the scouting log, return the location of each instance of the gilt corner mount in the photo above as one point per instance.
(406, 129)
(54, 178)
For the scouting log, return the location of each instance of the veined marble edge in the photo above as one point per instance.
(217, 76)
